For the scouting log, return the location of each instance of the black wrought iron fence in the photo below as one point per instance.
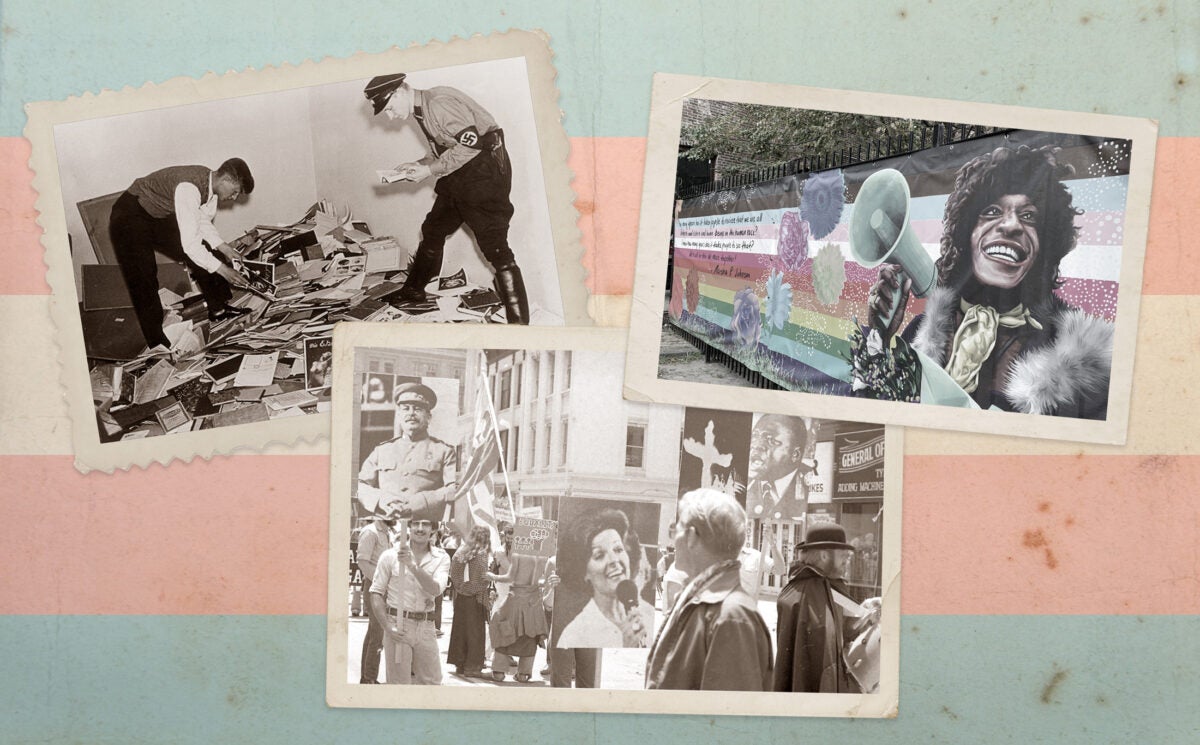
(935, 135)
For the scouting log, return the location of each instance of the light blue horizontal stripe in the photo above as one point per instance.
(1125, 58)
(1091, 195)
(229, 679)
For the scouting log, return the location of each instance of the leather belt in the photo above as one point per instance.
(414, 615)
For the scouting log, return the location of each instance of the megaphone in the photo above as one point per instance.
(879, 232)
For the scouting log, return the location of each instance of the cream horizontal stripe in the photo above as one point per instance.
(1165, 403)
(33, 411)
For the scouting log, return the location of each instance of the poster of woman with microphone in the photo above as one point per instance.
(606, 590)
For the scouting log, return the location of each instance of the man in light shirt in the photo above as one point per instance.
(171, 211)
(407, 580)
(373, 542)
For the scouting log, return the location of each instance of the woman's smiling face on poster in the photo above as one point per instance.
(608, 562)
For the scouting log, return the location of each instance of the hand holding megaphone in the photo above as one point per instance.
(888, 299)
(880, 234)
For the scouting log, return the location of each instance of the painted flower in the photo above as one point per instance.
(874, 343)
(676, 306)
(779, 301)
(747, 323)
(692, 296)
(793, 240)
(829, 274)
(821, 201)
(726, 200)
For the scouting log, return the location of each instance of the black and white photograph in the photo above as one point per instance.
(195, 224)
(548, 535)
(606, 593)
(318, 362)
(891, 259)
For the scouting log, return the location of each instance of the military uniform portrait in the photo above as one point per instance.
(409, 464)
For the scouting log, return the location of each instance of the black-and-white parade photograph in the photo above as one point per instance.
(212, 237)
(512, 525)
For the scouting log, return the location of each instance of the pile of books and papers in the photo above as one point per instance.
(274, 360)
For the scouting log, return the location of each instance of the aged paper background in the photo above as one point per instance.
(1050, 589)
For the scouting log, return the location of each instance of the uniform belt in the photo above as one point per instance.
(491, 140)
(414, 615)
(493, 143)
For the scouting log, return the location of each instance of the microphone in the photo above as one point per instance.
(627, 593)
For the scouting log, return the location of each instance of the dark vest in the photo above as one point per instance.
(156, 192)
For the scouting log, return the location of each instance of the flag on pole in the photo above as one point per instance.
(474, 503)
(779, 566)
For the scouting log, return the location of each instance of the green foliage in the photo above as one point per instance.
(753, 136)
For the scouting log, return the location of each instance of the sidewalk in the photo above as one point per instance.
(621, 669)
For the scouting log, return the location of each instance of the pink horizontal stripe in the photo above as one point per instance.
(248, 535)
(1097, 297)
(242, 534)
(1170, 267)
(608, 195)
(1102, 534)
(20, 235)
(608, 173)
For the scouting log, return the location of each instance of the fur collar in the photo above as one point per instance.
(1064, 368)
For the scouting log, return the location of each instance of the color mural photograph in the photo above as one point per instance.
(510, 547)
(916, 261)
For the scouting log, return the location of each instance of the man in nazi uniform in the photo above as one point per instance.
(468, 159)
(413, 475)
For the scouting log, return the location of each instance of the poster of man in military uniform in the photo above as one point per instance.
(413, 474)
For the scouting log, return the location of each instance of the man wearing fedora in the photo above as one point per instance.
(474, 177)
(413, 475)
(813, 623)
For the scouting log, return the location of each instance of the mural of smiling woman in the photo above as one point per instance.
(994, 322)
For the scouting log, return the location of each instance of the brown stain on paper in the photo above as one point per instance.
(1052, 686)
(1036, 539)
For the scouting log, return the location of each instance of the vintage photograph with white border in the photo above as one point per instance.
(785, 278)
(508, 501)
(202, 236)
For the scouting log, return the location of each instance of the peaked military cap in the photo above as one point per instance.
(381, 88)
(415, 393)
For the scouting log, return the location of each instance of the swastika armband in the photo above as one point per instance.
(469, 137)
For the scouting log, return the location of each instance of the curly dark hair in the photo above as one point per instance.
(1037, 174)
(575, 546)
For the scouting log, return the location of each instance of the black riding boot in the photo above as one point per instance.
(511, 288)
(426, 265)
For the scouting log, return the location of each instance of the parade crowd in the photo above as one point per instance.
(711, 637)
